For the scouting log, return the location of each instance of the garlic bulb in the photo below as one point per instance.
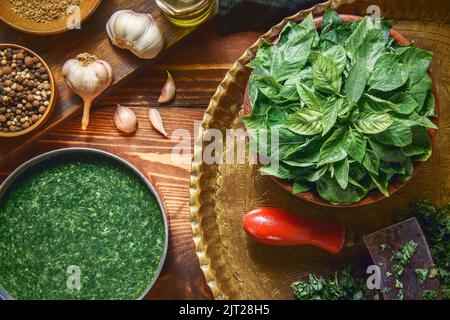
(125, 119)
(88, 77)
(137, 32)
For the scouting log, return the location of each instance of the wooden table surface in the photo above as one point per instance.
(92, 38)
(198, 66)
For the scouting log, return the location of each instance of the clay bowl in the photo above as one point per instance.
(374, 195)
(52, 101)
(14, 20)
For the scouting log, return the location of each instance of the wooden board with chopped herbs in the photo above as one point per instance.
(85, 215)
(349, 284)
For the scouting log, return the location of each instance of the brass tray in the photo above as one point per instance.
(236, 267)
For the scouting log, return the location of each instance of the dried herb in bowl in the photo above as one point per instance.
(84, 212)
(350, 105)
(42, 11)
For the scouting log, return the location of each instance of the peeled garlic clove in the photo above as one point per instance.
(157, 122)
(137, 32)
(168, 91)
(125, 119)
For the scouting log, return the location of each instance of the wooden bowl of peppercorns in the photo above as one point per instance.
(27, 91)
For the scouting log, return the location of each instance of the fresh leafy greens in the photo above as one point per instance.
(355, 103)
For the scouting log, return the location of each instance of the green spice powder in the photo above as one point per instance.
(92, 214)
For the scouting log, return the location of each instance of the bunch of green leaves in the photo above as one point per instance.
(351, 107)
(344, 285)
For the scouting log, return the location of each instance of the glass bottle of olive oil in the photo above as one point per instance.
(187, 13)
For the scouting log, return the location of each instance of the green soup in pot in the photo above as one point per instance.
(79, 228)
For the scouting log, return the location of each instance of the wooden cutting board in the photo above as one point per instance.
(91, 38)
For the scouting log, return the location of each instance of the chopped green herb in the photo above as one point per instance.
(435, 223)
(397, 269)
(399, 286)
(429, 295)
(84, 212)
(344, 285)
(421, 275)
(405, 253)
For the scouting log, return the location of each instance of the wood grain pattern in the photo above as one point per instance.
(90, 38)
(197, 66)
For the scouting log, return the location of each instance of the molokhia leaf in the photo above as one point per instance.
(333, 149)
(373, 123)
(317, 174)
(398, 134)
(356, 81)
(330, 20)
(299, 188)
(420, 90)
(338, 56)
(282, 171)
(269, 86)
(263, 59)
(421, 144)
(294, 32)
(389, 74)
(330, 190)
(355, 144)
(330, 114)
(370, 49)
(372, 104)
(429, 108)
(417, 61)
(381, 181)
(357, 37)
(311, 98)
(371, 161)
(414, 119)
(305, 122)
(326, 76)
(407, 105)
(341, 170)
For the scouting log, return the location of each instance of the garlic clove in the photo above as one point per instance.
(168, 91)
(125, 119)
(157, 122)
(137, 32)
